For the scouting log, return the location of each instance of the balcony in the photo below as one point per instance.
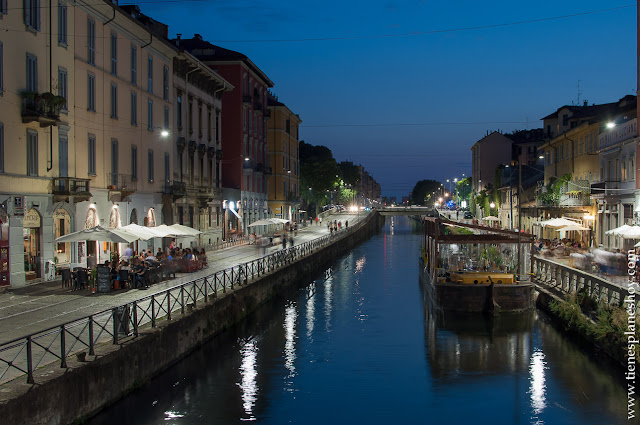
(120, 186)
(175, 190)
(267, 113)
(43, 108)
(246, 98)
(247, 166)
(612, 188)
(257, 106)
(70, 189)
(259, 168)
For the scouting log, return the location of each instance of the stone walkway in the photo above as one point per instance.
(24, 311)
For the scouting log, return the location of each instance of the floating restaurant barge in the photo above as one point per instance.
(471, 268)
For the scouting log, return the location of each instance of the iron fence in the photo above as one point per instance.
(22, 356)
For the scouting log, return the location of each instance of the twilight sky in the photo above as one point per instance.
(405, 87)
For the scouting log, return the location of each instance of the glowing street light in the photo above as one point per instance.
(611, 124)
(492, 205)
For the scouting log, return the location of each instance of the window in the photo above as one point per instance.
(62, 24)
(150, 166)
(32, 153)
(199, 119)
(92, 155)
(32, 14)
(1, 147)
(3, 7)
(114, 101)
(179, 111)
(150, 115)
(165, 83)
(217, 126)
(91, 92)
(32, 73)
(91, 42)
(209, 123)
(62, 86)
(114, 54)
(134, 162)
(114, 162)
(134, 108)
(166, 118)
(565, 120)
(190, 115)
(134, 65)
(632, 167)
(1, 68)
(150, 74)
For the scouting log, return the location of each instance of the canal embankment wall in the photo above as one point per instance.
(72, 394)
(612, 354)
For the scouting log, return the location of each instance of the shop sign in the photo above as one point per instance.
(18, 205)
(31, 219)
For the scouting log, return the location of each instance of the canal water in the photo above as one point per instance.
(358, 346)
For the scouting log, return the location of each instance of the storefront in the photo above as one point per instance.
(31, 233)
(61, 227)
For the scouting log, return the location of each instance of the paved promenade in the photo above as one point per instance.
(31, 309)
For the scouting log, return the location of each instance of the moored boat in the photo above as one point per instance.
(472, 268)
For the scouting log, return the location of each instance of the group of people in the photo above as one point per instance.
(336, 225)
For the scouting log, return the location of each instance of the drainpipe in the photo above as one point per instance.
(50, 165)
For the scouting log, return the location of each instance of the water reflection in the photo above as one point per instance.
(290, 318)
(311, 308)
(537, 391)
(328, 302)
(248, 376)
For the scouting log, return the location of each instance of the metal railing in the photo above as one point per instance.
(571, 281)
(22, 356)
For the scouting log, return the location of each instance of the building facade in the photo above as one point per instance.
(193, 197)
(244, 133)
(284, 179)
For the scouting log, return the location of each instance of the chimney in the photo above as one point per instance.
(586, 103)
(197, 36)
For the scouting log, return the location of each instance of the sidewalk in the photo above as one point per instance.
(31, 309)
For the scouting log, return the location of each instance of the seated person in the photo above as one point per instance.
(137, 273)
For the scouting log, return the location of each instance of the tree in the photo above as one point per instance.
(318, 172)
(421, 193)
(464, 189)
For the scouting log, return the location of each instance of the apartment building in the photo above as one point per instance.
(284, 181)
(244, 133)
(38, 166)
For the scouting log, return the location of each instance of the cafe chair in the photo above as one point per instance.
(82, 279)
(124, 278)
(66, 278)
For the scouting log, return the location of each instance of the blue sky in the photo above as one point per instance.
(409, 107)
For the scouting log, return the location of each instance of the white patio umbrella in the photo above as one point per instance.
(558, 222)
(190, 231)
(101, 234)
(617, 230)
(573, 227)
(145, 233)
(268, 221)
(170, 231)
(633, 232)
(491, 218)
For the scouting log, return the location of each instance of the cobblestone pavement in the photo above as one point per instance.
(34, 308)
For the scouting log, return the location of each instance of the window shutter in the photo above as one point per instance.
(37, 11)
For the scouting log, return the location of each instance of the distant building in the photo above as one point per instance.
(487, 154)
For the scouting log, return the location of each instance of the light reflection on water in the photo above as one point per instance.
(248, 376)
(537, 389)
(400, 366)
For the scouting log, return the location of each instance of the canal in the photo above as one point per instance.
(357, 346)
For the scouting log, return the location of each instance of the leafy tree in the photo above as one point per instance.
(421, 193)
(553, 190)
(464, 189)
(318, 170)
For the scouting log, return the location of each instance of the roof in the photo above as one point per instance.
(586, 111)
(208, 52)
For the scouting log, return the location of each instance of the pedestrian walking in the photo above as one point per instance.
(346, 224)
(284, 241)
(317, 220)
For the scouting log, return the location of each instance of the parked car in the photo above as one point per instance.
(468, 215)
